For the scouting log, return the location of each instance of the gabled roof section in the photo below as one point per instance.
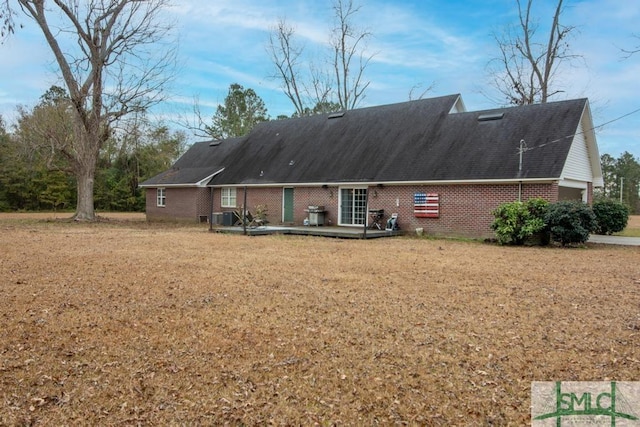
(458, 106)
(354, 146)
(197, 166)
(583, 160)
(485, 145)
(417, 141)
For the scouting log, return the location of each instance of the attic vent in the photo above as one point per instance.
(336, 115)
(215, 143)
(490, 116)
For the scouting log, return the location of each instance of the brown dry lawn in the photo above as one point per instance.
(127, 323)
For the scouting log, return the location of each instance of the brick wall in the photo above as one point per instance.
(203, 202)
(186, 204)
(304, 197)
(465, 210)
(272, 198)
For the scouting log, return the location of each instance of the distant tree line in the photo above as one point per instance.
(87, 145)
(621, 180)
(35, 170)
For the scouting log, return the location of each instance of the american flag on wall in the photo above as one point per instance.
(426, 205)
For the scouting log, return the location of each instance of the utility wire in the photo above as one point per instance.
(616, 119)
(523, 149)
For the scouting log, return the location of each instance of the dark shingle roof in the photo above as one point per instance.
(200, 161)
(407, 142)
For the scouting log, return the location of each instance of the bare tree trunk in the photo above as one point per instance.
(524, 71)
(85, 210)
(89, 141)
(116, 49)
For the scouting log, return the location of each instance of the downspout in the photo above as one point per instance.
(520, 191)
(523, 147)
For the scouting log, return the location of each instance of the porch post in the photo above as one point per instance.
(244, 211)
(211, 212)
(366, 211)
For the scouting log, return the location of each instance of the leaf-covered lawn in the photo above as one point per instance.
(126, 323)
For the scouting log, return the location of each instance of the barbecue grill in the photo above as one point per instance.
(316, 215)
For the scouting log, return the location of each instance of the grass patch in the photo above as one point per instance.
(633, 227)
(154, 325)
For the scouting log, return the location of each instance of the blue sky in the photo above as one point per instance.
(446, 44)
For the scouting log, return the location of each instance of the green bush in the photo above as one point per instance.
(611, 216)
(570, 222)
(516, 222)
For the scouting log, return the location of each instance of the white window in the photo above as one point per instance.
(161, 197)
(228, 198)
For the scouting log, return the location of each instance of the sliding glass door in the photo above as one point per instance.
(353, 206)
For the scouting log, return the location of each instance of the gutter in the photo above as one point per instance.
(392, 183)
(201, 183)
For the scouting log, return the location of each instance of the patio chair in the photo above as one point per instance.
(260, 219)
(392, 223)
(249, 219)
(237, 216)
(244, 217)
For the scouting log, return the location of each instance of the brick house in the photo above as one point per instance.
(436, 165)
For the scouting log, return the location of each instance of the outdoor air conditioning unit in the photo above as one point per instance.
(217, 218)
(228, 218)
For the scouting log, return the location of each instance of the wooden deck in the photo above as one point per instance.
(336, 232)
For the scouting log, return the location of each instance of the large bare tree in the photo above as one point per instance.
(285, 56)
(309, 87)
(318, 89)
(525, 69)
(349, 60)
(113, 63)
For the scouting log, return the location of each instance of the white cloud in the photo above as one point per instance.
(424, 42)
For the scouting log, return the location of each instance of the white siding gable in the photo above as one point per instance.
(583, 161)
(578, 165)
(458, 107)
